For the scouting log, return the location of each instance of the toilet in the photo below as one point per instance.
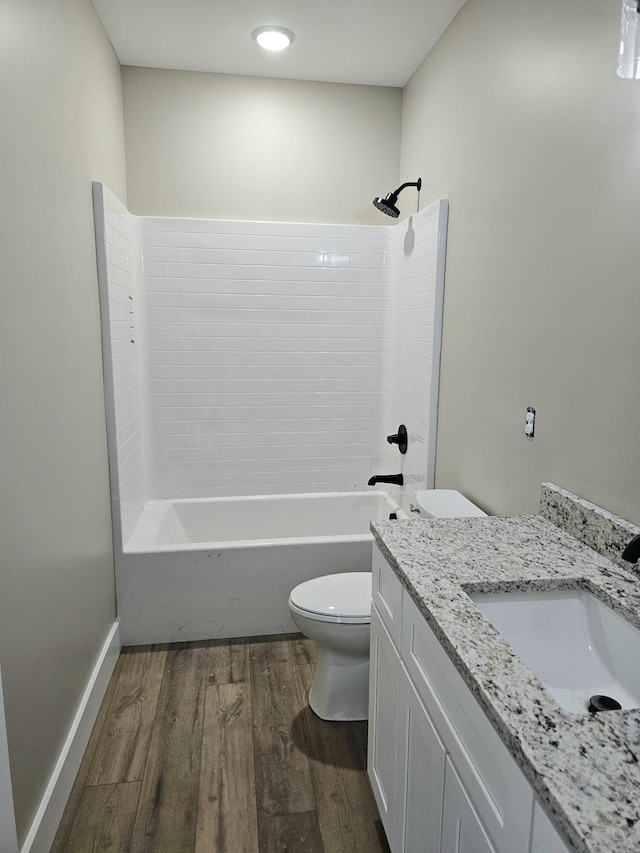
(335, 611)
(446, 503)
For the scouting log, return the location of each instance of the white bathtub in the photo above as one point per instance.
(224, 567)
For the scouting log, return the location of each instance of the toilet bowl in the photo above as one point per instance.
(335, 611)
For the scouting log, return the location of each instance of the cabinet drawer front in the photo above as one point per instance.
(497, 786)
(387, 594)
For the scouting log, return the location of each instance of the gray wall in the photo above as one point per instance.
(226, 147)
(518, 118)
(61, 104)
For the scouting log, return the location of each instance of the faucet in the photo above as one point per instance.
(396, 479)
(632, 552)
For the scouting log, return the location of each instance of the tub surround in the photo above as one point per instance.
(119, 259)
(260, 358)
(246, 359)
(583, 767)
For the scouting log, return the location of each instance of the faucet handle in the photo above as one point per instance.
(632, 552)
(401, 438)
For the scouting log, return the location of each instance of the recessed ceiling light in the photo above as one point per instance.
(273, 38)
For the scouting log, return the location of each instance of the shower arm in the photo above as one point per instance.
(417, 184)
(388, 203)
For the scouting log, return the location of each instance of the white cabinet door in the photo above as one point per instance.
(545, 837)
(462, 829)
(383, 694)
(420, 775)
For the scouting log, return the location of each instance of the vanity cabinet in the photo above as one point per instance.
(443, 780)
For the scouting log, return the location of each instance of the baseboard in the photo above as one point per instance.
(43, 829)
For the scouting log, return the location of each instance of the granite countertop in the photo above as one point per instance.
(584, 767)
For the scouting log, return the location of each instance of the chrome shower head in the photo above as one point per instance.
(388, 203)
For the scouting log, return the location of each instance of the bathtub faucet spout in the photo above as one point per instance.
(396, 479)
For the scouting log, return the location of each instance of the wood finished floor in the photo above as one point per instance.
(212, 748)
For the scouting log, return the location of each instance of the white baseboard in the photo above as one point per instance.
(43, 829)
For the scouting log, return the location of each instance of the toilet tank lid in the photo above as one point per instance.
(446, 503)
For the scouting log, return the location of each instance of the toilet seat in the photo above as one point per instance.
(344, 598)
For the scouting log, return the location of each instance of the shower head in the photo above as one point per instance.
(388, 203)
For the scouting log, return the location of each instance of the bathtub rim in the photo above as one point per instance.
(238, 544)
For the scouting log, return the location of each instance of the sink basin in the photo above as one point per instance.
(574, 643)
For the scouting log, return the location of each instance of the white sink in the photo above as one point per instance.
(573, 642)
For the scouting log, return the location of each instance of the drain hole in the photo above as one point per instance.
(603, 703)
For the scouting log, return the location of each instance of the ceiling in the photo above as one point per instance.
(373, 42)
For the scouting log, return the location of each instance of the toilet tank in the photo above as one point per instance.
(445, 503)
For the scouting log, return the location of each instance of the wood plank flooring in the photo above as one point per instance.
(211, 748)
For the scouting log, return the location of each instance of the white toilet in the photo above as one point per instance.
(335, 611)
(446, 503)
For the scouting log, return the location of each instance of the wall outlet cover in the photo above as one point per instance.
(530, 422)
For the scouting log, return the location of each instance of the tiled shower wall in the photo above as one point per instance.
(414, 289)
(120, 271)
(263, 356)
(275, 358)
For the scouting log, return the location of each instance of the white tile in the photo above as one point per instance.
(296, 344)
(202, 226)
(160, 254)
(155, 238)
(182, 270)
(211, 241)
(159, 223)
(196, 256)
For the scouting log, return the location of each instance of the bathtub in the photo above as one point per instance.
(224, 567)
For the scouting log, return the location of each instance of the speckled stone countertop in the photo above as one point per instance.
(584, 767)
